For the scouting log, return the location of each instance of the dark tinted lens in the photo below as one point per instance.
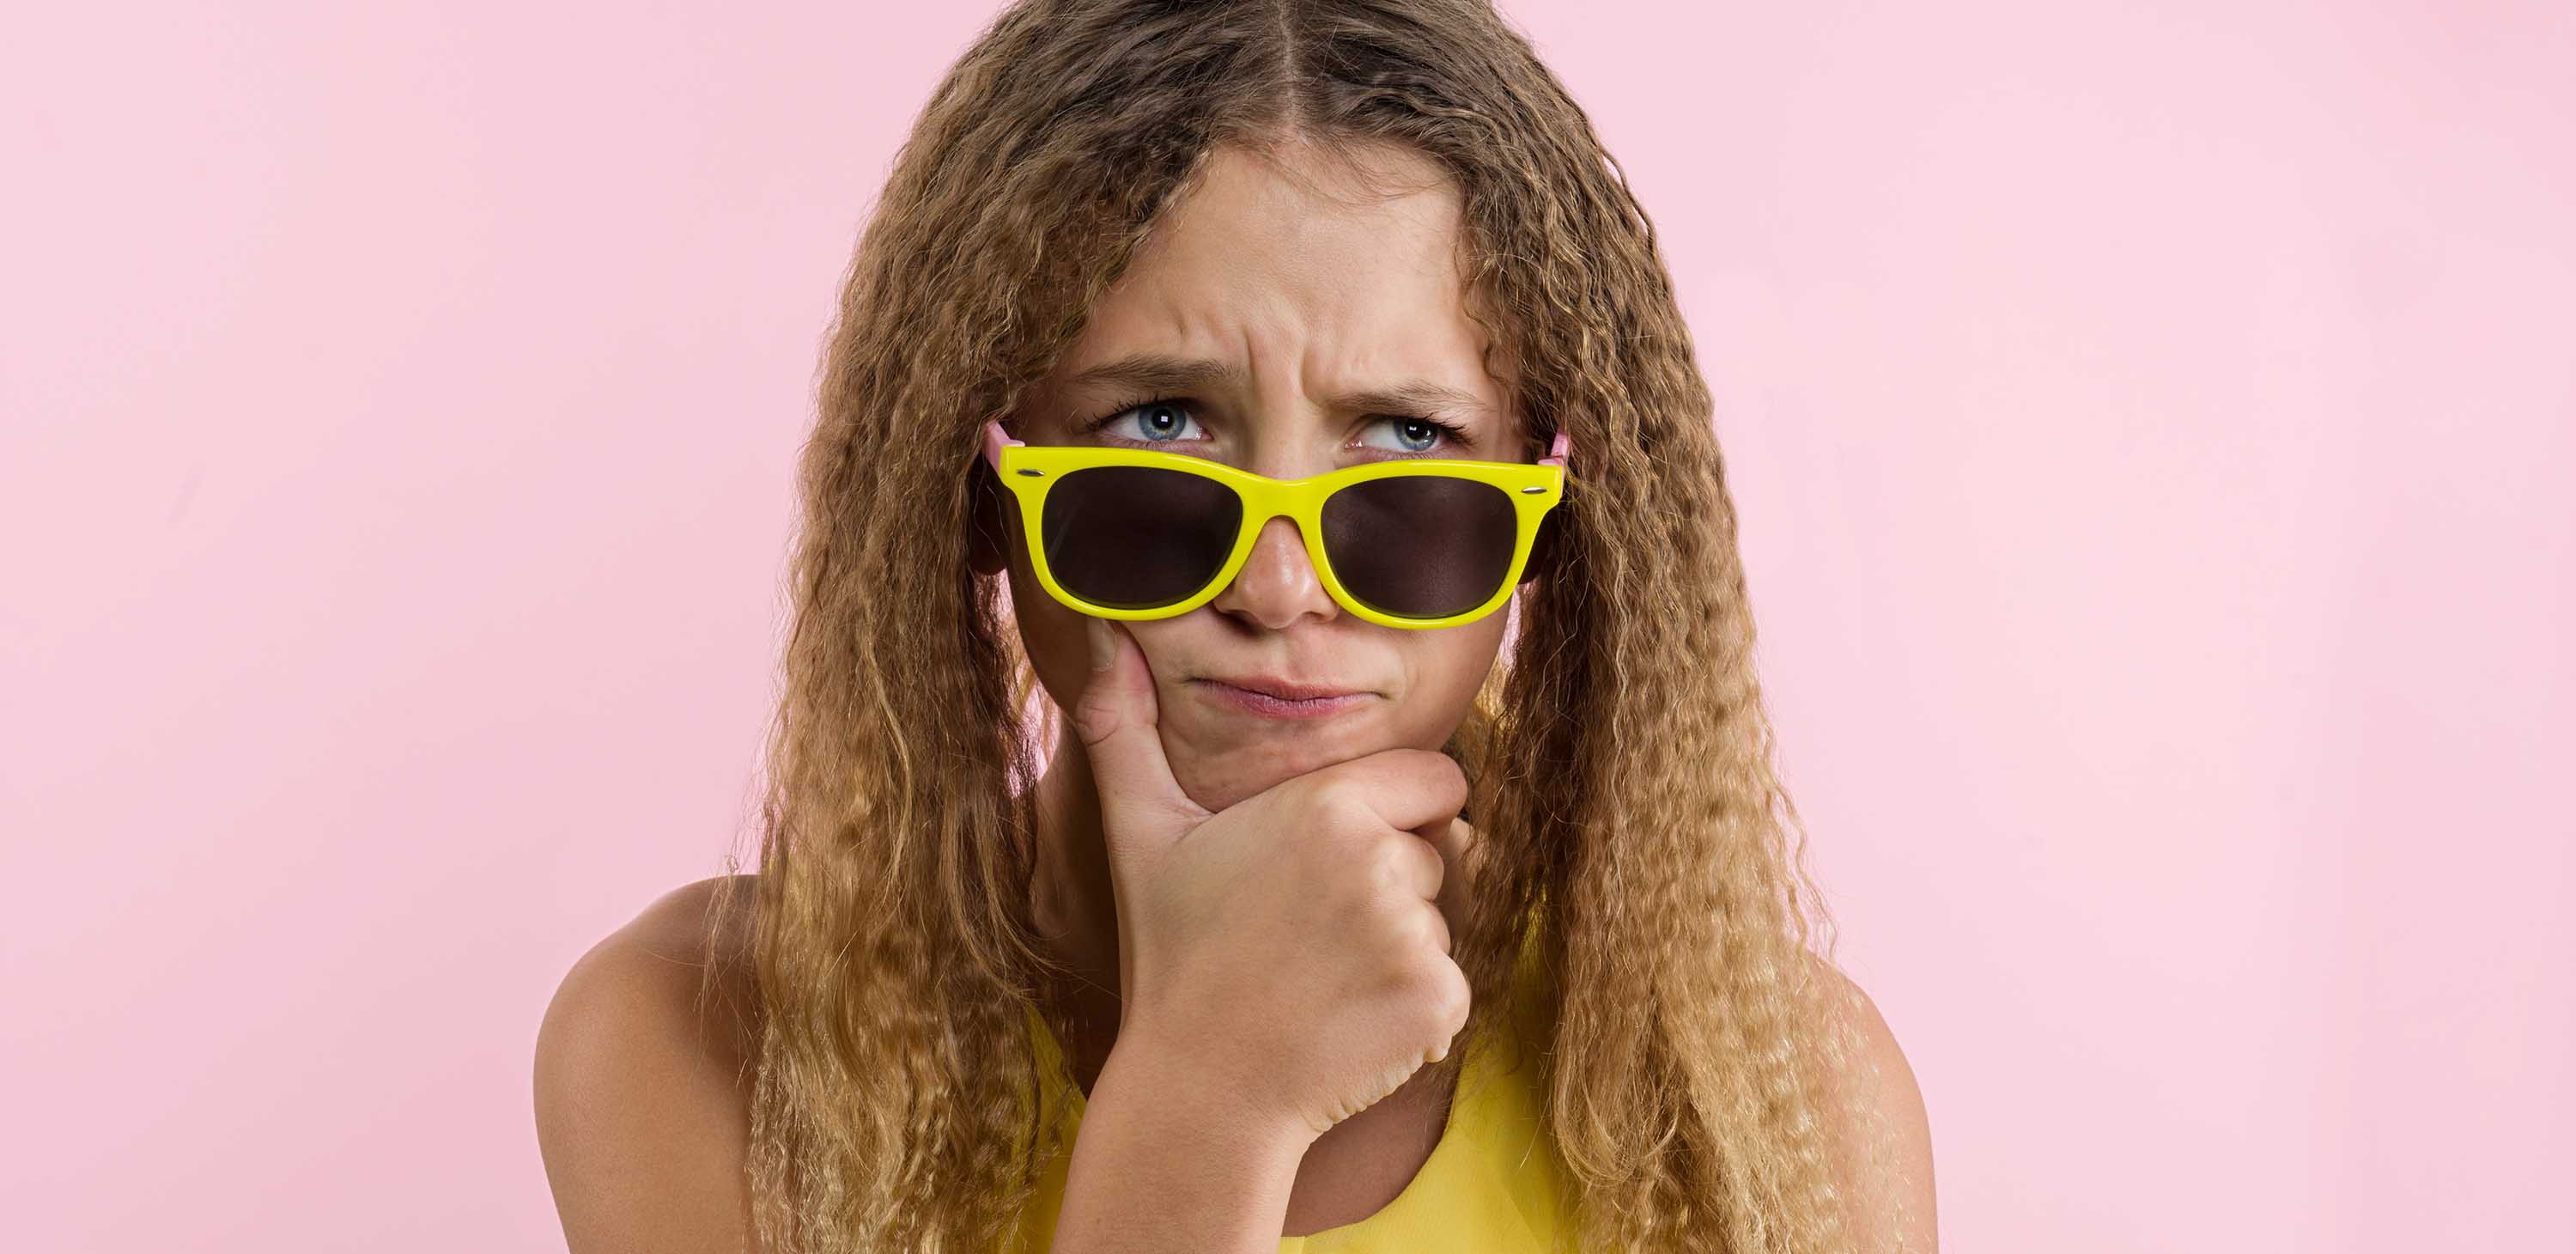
(1420, 546)
(1137, 537)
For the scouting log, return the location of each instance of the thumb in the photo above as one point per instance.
(1118, 719)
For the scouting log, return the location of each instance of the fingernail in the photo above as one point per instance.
(1104, 650)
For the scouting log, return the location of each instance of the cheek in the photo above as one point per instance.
(1052, 634)
(1448, 667)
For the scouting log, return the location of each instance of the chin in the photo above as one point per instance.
(1219, 780)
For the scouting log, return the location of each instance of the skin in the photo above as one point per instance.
(1316, 281)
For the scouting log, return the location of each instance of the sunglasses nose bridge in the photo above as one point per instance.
(1281, 498)
(1256, 523)
(1273, 587)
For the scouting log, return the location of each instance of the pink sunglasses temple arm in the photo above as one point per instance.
(994, 441)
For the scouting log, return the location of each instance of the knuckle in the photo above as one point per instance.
(1390, 864)
(1419, 935)
(1445, 994)
(1430, 930)
(1434, 867)
(1330, 796)
(1095, 719)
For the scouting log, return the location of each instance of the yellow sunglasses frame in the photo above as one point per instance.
(1029, 470)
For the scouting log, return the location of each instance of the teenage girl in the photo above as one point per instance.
(1270, 756)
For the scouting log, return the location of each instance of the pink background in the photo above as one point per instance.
(2153, 425)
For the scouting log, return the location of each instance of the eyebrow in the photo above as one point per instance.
(1162, 372)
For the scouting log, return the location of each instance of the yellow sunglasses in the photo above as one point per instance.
(1141, 533)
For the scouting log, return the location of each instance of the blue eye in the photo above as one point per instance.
(1412, 427)
(1162, 420)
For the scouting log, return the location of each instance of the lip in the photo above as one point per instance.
(1274, 698)
(1270, 685)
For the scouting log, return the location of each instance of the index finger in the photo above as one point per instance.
(1408, 788)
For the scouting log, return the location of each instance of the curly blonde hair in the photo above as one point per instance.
(1619, 757)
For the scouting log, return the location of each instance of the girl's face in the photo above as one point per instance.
(1283, 300)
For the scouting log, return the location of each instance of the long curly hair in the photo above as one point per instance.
(1634, 829)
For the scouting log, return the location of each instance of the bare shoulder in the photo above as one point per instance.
(642, 1103)
(1880, 1098)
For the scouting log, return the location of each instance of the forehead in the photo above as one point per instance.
(1297, 262)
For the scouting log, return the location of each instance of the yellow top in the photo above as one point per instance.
(1493, 1184)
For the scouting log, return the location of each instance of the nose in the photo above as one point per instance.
(1278, 584)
